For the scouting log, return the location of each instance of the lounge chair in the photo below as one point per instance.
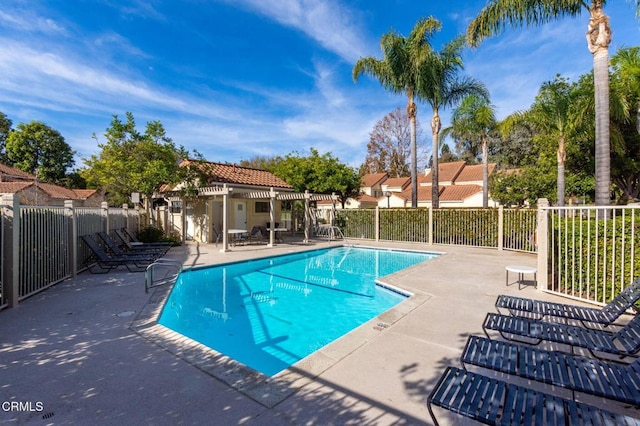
(138, 246)
(619, 382)
(539, 309)
(624, 342)
(115, 249)
(106, 262)
(134, 239)
(491, 401)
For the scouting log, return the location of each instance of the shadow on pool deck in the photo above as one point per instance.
(86, 351)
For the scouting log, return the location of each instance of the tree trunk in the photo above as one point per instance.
(411, 112)
(562, 157)
(485, 172)
(435, 185)
(598, 39)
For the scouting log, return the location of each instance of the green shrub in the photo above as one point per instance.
(151, 234)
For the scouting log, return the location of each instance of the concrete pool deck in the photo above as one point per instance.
(84, 351)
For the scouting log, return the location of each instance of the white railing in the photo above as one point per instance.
(509, 229)
(589, 252)
(41, 245)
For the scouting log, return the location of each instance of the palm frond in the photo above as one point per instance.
(500, 14)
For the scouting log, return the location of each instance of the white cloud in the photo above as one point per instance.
(27, 20)
(331, 24)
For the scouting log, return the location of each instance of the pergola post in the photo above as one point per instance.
(225, 217)
(332, 222)
(307, 215)
(272, 217)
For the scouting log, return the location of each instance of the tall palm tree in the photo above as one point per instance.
(473, 120)
(499, 13)
(399, 71)
(552, 114)
(442, 87)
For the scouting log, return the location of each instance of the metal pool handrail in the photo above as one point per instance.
(171, 268)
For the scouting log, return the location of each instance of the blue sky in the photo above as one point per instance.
(238, 78)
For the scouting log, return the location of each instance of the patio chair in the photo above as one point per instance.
(255, 235)
(539, 309)
(106, 262)
(618, 382)
(624, 342)
(133, 246)
(115, 249)
(492, 401)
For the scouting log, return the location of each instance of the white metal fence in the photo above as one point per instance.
(583, 252)
(510, 229)
(589, 253)
(41, 245)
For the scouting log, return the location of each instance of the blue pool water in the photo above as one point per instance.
(270, 313)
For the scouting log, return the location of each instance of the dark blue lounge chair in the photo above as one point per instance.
(134, 240)
(491, 401)
(115, 249)
(618, 382)
(106, 262)
(539, 309)
(134, 246)
(624, 342)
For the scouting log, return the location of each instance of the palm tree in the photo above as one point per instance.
(442, 87)
(500, 13)
(626, 64)
(399, 71)
(473, 120)
(552, 114)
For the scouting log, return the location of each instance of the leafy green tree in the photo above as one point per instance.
(40, 150)
(131, 161)
(317, 173)
(473, 120)
(497, 14)
(441, 86)
(400, 70)
(446, 155)
(389, 147)
(5, 129)
(261, 162)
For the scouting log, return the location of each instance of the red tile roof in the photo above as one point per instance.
(473, 173)
(53, 191)
(15, 173)
(424, 193)
(372, 179)
(399, 182)
(13, 187)
(230, 173)
(83, 194)
(365, 198)
(459, 192)
(447, 172)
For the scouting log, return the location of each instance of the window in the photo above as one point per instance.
(262, 207)
(176, 206)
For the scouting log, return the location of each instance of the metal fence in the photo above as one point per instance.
(583, 252)
(510, 229)
(589, 252)
(41, 246)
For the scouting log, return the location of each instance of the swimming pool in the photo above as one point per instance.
(272, 312)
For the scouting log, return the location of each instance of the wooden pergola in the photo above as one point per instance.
(227, 193)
